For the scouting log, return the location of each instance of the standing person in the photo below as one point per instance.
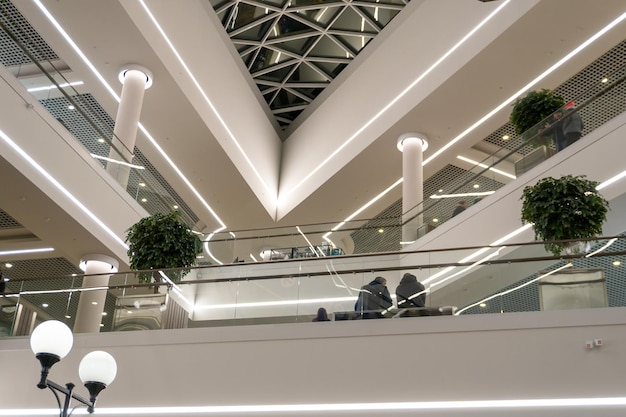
(460, 207)
(572, 125)
(373, 299)
(554, 128)
(322, 315)
(410, 293)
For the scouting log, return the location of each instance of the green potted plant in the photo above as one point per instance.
(534, 107)
(162, 241)
(564, 208)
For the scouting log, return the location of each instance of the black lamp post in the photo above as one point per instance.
(51, 341)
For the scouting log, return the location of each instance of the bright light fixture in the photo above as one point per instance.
(53, 87)
(23, 251)
(115, 161)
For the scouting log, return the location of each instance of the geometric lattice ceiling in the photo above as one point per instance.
(295, 48)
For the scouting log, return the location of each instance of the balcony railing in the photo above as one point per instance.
(472, 280)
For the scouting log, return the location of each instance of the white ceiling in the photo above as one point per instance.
(250, 172)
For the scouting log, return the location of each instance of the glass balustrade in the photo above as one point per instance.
(473, 280)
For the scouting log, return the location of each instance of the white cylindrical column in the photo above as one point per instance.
(98, 269)
(135, 80)
(412, 146)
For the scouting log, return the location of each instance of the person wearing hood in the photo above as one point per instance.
(374, 298)
(410, 293)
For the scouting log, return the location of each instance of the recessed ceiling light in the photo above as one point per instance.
(483, 305)
(175, 207)
(8, 265)
(101, 325)
(605, 80)
(143, 200)
(476, 185)
(142, 184)
(71, 107)
(44, 305)
(104, 313)
(616, 263)
(506, 137)
(101, 140)
(435, 220)
(68, 317)
(94, 303)
(381, 230)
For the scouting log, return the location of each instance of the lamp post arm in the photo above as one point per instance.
(67, 390)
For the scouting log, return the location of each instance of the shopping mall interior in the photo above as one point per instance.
(275, 128)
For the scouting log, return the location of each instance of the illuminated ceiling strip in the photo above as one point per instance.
(399, 96)
(611, 180)
(23, 251)
(61, 291)
(117, 98)
(275, 303)
(372, 201)
(208, 101)
(525, 88)
(480, 164)
(500, 294)
(478, 194)
(63, 190)
(54, 87)
(507, 102)
(330, 407)
(106, 158)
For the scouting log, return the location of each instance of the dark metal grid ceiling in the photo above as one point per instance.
(295, 48)
(8, 222)
(11, 53)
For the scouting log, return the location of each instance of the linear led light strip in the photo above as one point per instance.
(497, 109)
(115, 161)
(106, 85)
(480, 164)
(23, 251)
(330, 407)
(476, 194)
(208, 101)
(60, 187)
(53, 87)
(398, 97)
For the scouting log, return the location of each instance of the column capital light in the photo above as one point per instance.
(412, 135)
(98, 258)
(136, 67)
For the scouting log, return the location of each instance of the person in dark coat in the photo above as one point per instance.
(373, 299)
(322, 315)
(572, 125)
(459, 208)
(410, 293)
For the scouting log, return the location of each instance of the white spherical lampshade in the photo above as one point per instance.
(97, 366)
(53, 337)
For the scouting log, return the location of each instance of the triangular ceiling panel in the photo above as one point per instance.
(295, 48)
